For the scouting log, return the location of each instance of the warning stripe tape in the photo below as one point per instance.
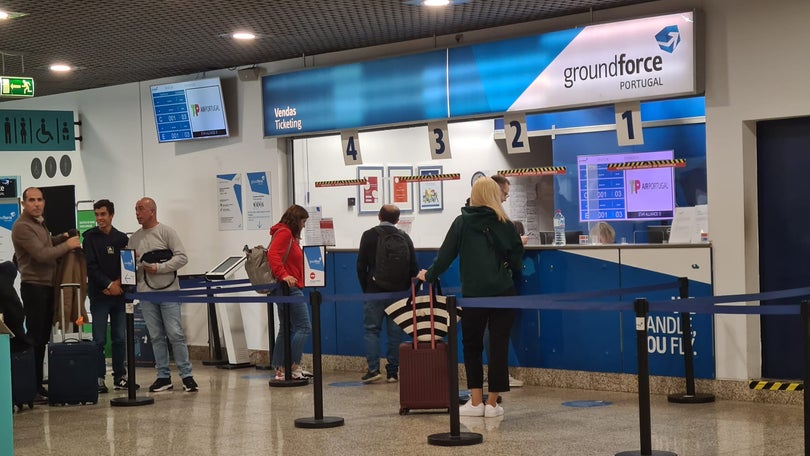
(430, 177)
(341, 183)
(675, 163)
(775, 386)
(543, 170)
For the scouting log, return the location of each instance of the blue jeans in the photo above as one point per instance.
(163, 322)
(373, 316)
(300, 330)
(115, 309)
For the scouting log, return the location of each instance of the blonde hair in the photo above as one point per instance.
(487, 192)
(603, 232)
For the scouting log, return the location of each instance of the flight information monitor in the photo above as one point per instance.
(644, 190)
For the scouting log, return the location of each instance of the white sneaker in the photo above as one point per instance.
(514, 383)
(492, 412)
(471, 410)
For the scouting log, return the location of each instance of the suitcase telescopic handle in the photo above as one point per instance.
(415, 283)
(76, 294)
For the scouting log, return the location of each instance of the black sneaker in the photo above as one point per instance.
(189, 385)
(123, 384)
(161, 384)
(102, 388)
(392, 378)
(371, 376)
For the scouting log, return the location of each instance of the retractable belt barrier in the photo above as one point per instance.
(555, 301)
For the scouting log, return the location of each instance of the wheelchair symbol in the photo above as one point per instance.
(43, 133)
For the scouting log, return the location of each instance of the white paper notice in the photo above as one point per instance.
(229, 196)
(259, 209)
(683, 226)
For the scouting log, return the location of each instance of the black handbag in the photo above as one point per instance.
(155, 257)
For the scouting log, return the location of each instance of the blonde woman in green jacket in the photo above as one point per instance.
(487, 246)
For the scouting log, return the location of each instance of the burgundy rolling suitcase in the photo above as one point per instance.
(423, 368)
(72, 365)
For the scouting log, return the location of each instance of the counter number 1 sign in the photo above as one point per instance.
(628, 124)
(351, 147)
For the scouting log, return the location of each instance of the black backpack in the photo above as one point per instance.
(393, 260)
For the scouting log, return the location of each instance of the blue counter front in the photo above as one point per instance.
(595, 341)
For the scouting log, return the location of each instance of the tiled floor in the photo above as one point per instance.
(236, 413)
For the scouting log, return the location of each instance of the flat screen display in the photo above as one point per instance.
(189, 110)
(223, 269)
(632, 194)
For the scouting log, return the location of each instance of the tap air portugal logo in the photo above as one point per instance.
(635, 186)
(668, 38)
(196, 109)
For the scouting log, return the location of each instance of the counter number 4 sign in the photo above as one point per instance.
(350, 139)
(628, 123)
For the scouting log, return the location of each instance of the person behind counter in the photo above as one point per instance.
(603, 232)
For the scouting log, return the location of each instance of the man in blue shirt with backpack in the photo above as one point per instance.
(385, 262)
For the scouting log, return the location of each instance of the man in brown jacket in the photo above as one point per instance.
(36, 252)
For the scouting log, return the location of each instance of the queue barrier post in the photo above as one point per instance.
(642, 308)
(455, 437)
(131, 400)
(690, 397)
(318, 421)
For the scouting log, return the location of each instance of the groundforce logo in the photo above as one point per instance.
(642, 68)
(669, 38)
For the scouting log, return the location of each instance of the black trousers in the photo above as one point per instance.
(473, 323)
(38, 304)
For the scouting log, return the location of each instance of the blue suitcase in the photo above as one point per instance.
(72, 366)
(23, 379)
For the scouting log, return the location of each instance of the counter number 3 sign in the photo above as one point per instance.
(350, 140)
(628, 124)
(439, 140)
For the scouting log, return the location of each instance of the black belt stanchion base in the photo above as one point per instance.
(288, 380)
(318, 421)
(131, 400)
(691, 397)
(271, 339)
(455, 437)
(805, 313)
(642, 308)
(213, 337)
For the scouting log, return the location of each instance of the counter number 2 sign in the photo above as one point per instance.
(628, 123)
(517, 137)
(439, 140)
(350, 139)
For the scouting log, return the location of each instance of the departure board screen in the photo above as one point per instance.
(644, 191)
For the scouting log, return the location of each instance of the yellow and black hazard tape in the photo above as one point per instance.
(430, 177)
(543, 170)
(775, 385)
(676, 163)
(341, 183)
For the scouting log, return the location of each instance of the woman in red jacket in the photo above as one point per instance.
(287, 263)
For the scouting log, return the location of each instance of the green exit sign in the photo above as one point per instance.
(13, 86)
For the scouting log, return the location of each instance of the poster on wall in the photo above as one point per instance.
(9, 212)
(400, 192)
(431, 197)
(229, 194)
(370, 196)
(259, 210)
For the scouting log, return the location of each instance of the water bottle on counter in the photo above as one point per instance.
(559, 228)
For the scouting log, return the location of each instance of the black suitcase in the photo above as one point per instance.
(23, 379)
(72, 365)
